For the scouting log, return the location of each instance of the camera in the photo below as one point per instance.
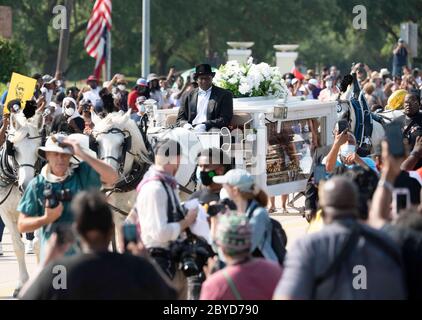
(54, 197)
(215, 209)
(86, 108)
(192, 253)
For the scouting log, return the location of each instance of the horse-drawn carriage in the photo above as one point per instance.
(270, 138)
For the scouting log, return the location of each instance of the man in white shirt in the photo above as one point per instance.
(160, 214)
(94, 94)
(207, 106)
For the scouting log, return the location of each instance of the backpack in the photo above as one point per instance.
(278, 240)
(278, 236)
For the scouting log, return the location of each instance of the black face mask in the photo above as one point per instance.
(206, 177)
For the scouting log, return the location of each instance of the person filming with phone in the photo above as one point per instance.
(46, 201)
(344, 152)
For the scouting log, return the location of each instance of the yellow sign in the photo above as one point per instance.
(22, 88)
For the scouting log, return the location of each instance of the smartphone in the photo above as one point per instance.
(320, 173)
(343, 125)
(130, 234)
(401, 200)
(394, 137)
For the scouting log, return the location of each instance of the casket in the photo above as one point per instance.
(277, 151)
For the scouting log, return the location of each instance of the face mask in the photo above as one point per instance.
(206, 177)
(69, 111)
(347, 150)
(141, 108)
(121, 87)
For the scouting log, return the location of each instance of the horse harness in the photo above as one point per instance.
(126, 146)
(8, 173)
(364, 122)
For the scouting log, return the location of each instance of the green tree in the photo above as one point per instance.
(184, 33)
(12, 59)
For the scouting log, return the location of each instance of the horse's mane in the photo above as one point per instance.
(25, 127)
(123, 122)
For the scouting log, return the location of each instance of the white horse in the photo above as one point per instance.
(120, 144)
(19, 161)
(345, 111)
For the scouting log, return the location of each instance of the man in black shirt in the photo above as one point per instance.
(97, 273)
(412, 121)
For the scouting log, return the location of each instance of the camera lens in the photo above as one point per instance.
(189, 267)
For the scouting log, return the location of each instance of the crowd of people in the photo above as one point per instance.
(365, 235)
(379, 87)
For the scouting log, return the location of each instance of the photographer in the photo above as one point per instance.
(344, 153)
(85, 107)
(46, 201)
(96, 274)
(160, 214)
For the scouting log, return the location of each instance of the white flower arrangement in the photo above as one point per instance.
(251, 80)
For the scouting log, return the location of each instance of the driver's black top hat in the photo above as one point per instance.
(203, 70)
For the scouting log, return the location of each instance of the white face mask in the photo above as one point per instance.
(121, 87)
(347, 150)
(69, 111)
(141, 108)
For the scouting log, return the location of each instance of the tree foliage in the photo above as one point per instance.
(184, 33)
(12, 59)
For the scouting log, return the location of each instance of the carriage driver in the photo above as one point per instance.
(46, 201)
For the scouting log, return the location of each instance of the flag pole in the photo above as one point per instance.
(146, 37)
(108, 77)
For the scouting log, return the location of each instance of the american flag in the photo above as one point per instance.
(98, 31)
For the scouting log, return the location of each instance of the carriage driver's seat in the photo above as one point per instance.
(239, 119)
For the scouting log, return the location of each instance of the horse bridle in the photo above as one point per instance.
(10, 150)
(126, 146)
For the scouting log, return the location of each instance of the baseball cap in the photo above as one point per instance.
(142, 82)
(153, 76)
(237, 178)
(92, 78)
(47, 78)
(141, 99)
(384, 72)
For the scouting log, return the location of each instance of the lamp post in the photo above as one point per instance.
(146, 24)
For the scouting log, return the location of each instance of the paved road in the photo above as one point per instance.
(293, 223)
